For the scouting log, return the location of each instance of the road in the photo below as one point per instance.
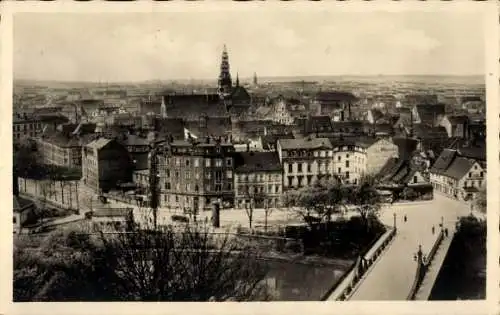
(392, 276)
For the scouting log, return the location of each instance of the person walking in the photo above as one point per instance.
(433, 230)
(405, 218)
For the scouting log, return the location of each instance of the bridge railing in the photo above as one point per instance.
(422, 267)
(344, 288)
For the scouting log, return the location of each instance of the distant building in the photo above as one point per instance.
(456, 126)
(23, 209)
(428, 114)
(257, 180)
(335, 104)
(105, 164)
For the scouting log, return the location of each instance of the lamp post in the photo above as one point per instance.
(394, 216)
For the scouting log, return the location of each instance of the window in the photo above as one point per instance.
(229, 162)
(470, 175)
(277, 188)
(299, 169)
(176, 198)
(218, 187)
(177, 174)
(187, 162)
(290, 170)
(475, 167)
(167, 185)
(218, 163)
(14, 220)
(339, 158)
(177, 186)
(309, 168)
(481, 174)
(196, 163)
(177, 161)
(196, 188)
(229, 186)
(188, 187)
(207, 162)
(218, 176)
(347, 164)
(347, 156)
(290, 181)
(209, 175)
(339, 170)
(229, 174)
(415, 179)
(346, 174)
(188, 175)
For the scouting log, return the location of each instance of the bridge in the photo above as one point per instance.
(393, 274)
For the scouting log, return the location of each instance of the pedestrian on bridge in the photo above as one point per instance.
(405, 218)
(433, 230)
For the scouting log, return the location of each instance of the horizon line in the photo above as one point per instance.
(249, 78)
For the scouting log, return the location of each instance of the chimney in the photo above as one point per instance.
(248, 146)
(342, 115)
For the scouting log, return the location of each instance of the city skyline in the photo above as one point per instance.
(143, 47)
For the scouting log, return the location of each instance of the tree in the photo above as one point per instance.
(318, 202)
(167, 264)
(45, 193)
(267, 212)
(366, 199)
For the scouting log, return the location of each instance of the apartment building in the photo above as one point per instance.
(258, 179)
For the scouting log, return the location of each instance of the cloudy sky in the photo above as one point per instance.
(146, 46)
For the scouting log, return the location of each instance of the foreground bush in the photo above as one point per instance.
(145, 265)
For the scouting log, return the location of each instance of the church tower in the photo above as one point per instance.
(225, 83)
(255, 79)
(163, 108)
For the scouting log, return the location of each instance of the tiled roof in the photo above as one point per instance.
(256, 161)
(458, 119)
(99, 143)
(305, 143)
(424, 131)
(335, 96)
(66, 140)
(240, 93)
(429, 113)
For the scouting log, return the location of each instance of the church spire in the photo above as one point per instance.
(225, 82)
(255, 78)
(237, 79)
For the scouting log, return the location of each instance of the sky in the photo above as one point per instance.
(123, 47)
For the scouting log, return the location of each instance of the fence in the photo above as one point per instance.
(422, 267)
(346, 284)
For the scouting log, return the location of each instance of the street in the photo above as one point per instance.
(392, 276)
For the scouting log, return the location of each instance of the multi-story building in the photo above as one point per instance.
(305, 160)
(63, 146)
(195, 174)
(258, 179)
(105, 164)
(457, 176)
(24, 125)
(355, 157)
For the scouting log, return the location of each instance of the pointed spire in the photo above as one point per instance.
(237, 79)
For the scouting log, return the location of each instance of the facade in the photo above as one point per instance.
(194, 175)
(349, 161)
(305, 161)
(258, 179)
(456, 126)
(428, 114)
(377, 153)
(24, 125)
(457, 176)
(105, 164)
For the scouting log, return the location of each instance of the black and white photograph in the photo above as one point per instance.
(249, 155)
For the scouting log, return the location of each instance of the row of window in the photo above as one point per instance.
(208, 162)
(303, 153)
(26, 127)
(258, 177)
(195, 188)
(269, 189)
(208, 175)
(300, 167)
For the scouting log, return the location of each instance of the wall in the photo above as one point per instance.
(378, 154)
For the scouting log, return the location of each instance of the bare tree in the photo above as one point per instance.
(45, 193)
(365, 198)
(267, 212)
(187, 264)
